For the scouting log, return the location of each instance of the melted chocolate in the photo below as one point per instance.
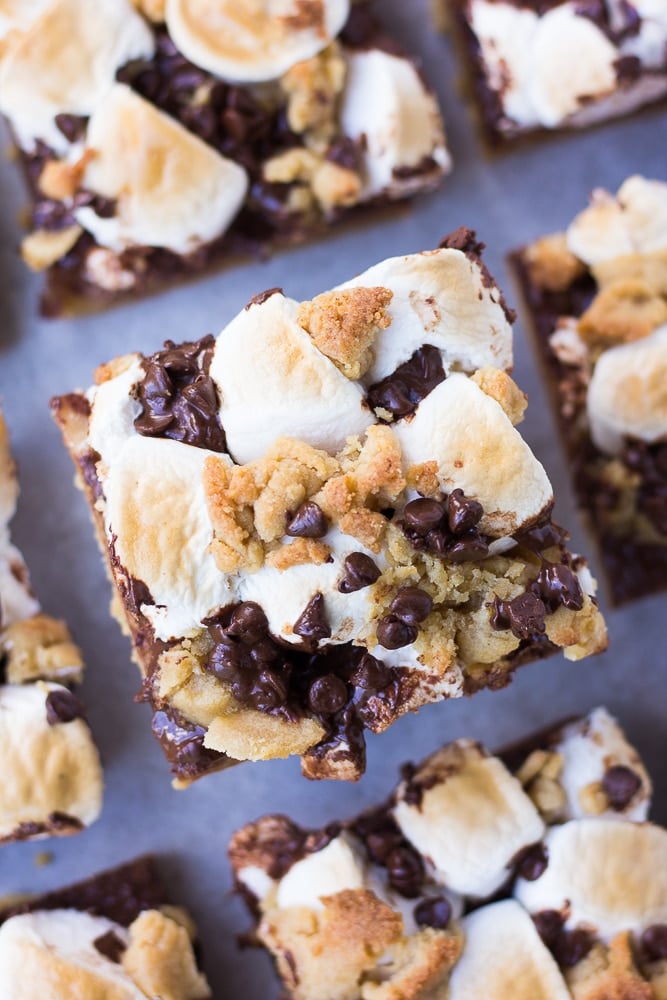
(178, 397)
(182, 743)
(401, 392)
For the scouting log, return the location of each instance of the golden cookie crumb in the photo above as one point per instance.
(551, 265)
(298, 553)
(343, 325)
(625, 310)
(499, 386)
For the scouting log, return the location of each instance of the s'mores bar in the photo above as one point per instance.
(325, 517)
(51, 776)
(596, 297)
(531, 875)
(160, 137)
(114, 936)
(544, 65)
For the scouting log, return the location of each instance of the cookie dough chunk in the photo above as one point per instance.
(596, 297)
(52, 778)
(542, 67)
(114, 935)
(171, 137)
(465, 876)
(326, 516)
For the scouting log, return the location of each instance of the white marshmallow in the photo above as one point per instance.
(479, 451)
(284, 594)
(19, 14)
(649, 44)
(46, 768)
(156, 511)
(65, 62)
(336, 867)
(16, 599)
(588, 748)
(114, 410)
(504, 959)
(606, 874)
(572, 59)
(43, 945)
(627, 394)
(472, 822)
(274, 382)
(255, 40)
(633, 221)
(172, 190)
(386, 103)
(256, 881)
(439, 298)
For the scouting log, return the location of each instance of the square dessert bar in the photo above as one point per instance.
(596, 298)
(51, 776)
(171, 136)
(536, 65)
(114, 936)
(325, 517)
(530, 874)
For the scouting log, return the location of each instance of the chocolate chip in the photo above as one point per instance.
(308, 522)
(72, 127)
(524, 615)
(654, 942)
(467, 550)
(327, 695)
(558, 585)
(261, 297)
(620, 785)
(111, 946)
(371, 674)
(463, 513)
(360, 572)
(248, 622)
(434, 912)
(571, 946)
(406, 871)
(392, 633)
(424, 514)
(549, 924)
(411, 605)
(533, 862)
(311, 625)
(401, 392)
(381, 843)
(63, 706)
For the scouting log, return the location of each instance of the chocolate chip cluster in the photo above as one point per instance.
(556, 585)
(446, 528)
(179, 398)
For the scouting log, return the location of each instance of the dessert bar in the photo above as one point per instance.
(537, 65)
(531, 874)
(596, 298)
(162, 137)
(51, 777)
(114, 936)
(325, 517)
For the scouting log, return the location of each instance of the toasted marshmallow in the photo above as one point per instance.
(16, 599)
(506, 34)
(255, 40)
(285, 594)
(572, 60)
(473, 819)
(19, 14)
(46, 768)
(504, 958)
(171, 189)
(634, 221)
(274, 382)
(156, 511)
(65, 62)
(588, 748)
(604, 874)
(113, 412)
(627, 395)
(439, 298)
(386, 104)
(479, 451)
(336, 867)
(57, 947)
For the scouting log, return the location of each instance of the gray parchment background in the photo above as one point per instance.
(510, 198)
